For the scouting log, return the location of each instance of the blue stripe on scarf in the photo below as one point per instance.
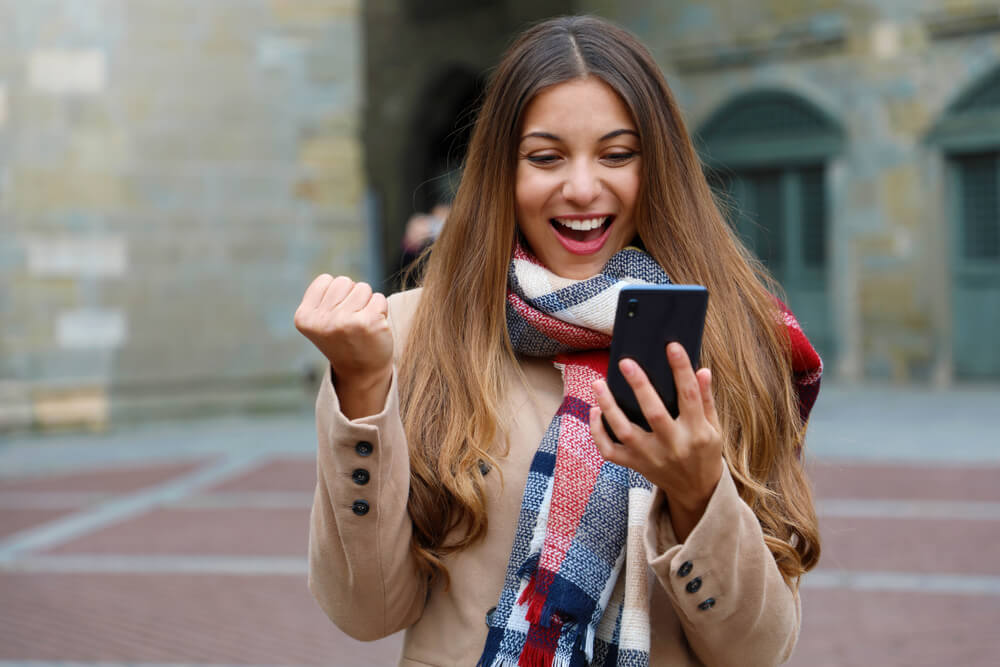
(575, 407)
(529, 341)
(495, 642)
(635, 263)
(573, 295)
(601, 533)
(543, 464)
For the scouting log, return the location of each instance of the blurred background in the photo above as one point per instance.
(173, 174)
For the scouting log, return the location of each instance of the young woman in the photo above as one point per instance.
(467, 489)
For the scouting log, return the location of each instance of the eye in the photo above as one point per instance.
(542, 159)
(619, 157)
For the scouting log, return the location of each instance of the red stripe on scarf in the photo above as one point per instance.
(567, 334)
(806, 363)
(578, 463)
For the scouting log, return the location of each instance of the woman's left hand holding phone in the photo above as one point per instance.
(348, 323)
(682, 456)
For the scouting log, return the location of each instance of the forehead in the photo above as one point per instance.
(584, 104)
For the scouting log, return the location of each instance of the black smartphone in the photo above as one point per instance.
(647, 318)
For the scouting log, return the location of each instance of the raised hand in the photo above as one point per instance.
(347, 322)
(681, 456)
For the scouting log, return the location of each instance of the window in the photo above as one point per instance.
(766, 152)
(781, 215)
(979, 205)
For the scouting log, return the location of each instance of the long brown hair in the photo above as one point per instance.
(453, 369)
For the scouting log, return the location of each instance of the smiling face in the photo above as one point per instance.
(578, 173)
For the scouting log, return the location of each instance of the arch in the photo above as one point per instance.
(765, 126)
(972, 121)
(440, 129)
(766, 153)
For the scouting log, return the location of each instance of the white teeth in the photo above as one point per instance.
(583, 225)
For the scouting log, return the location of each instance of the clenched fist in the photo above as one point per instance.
(347, 323)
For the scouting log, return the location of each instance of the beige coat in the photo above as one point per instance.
(361, 573)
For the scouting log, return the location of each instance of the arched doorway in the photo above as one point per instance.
(766, 152)
(439, 134)
(969, 135)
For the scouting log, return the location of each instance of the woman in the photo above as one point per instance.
(467, 489)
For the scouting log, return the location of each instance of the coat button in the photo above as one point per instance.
(685, 569)
(360, 476)
(364, 448)
(489, 615)
(360, 507)
(707, 604)
(693, 585)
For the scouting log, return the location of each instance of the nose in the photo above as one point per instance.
(582, 185)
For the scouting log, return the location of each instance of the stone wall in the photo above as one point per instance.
(886, 70)
(173, 173)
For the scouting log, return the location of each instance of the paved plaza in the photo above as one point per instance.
(185, 543)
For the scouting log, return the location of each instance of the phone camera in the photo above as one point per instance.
(632, 305)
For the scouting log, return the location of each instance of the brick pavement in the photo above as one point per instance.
(201, 560)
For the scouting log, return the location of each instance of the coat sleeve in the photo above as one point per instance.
(361, 570)
(733, 604)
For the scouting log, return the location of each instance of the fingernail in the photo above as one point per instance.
(598, 387)
(627, 366)
(674, 350)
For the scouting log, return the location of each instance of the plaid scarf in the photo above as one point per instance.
(564, 601)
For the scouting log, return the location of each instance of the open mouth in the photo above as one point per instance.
(582, 235)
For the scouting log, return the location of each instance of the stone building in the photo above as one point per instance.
(854, 144)
(172, 175)
(174, 172)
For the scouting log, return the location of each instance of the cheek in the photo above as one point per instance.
(520, 192)
(529, 194)
(630, 188)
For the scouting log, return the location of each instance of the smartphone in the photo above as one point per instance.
(647, 318)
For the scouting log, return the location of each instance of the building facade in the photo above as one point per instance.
(173, 173)
(858, 144)
(853, 145)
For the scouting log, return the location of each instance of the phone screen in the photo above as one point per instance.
(649, 317)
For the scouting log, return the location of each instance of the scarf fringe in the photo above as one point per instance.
(498, 662)
(531, 598)
(529, 653)
(533, 656)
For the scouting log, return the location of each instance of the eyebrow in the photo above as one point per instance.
(609, 135)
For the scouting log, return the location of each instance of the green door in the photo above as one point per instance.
(976, 264)
(781, 214)
(768, 151)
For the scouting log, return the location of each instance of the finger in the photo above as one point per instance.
(619, 423)
(314, 293)
(358, 298)
(377, 308)
(607, 447)
(645, 393)
(704, 376)
(338, 289)
(688, 393)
